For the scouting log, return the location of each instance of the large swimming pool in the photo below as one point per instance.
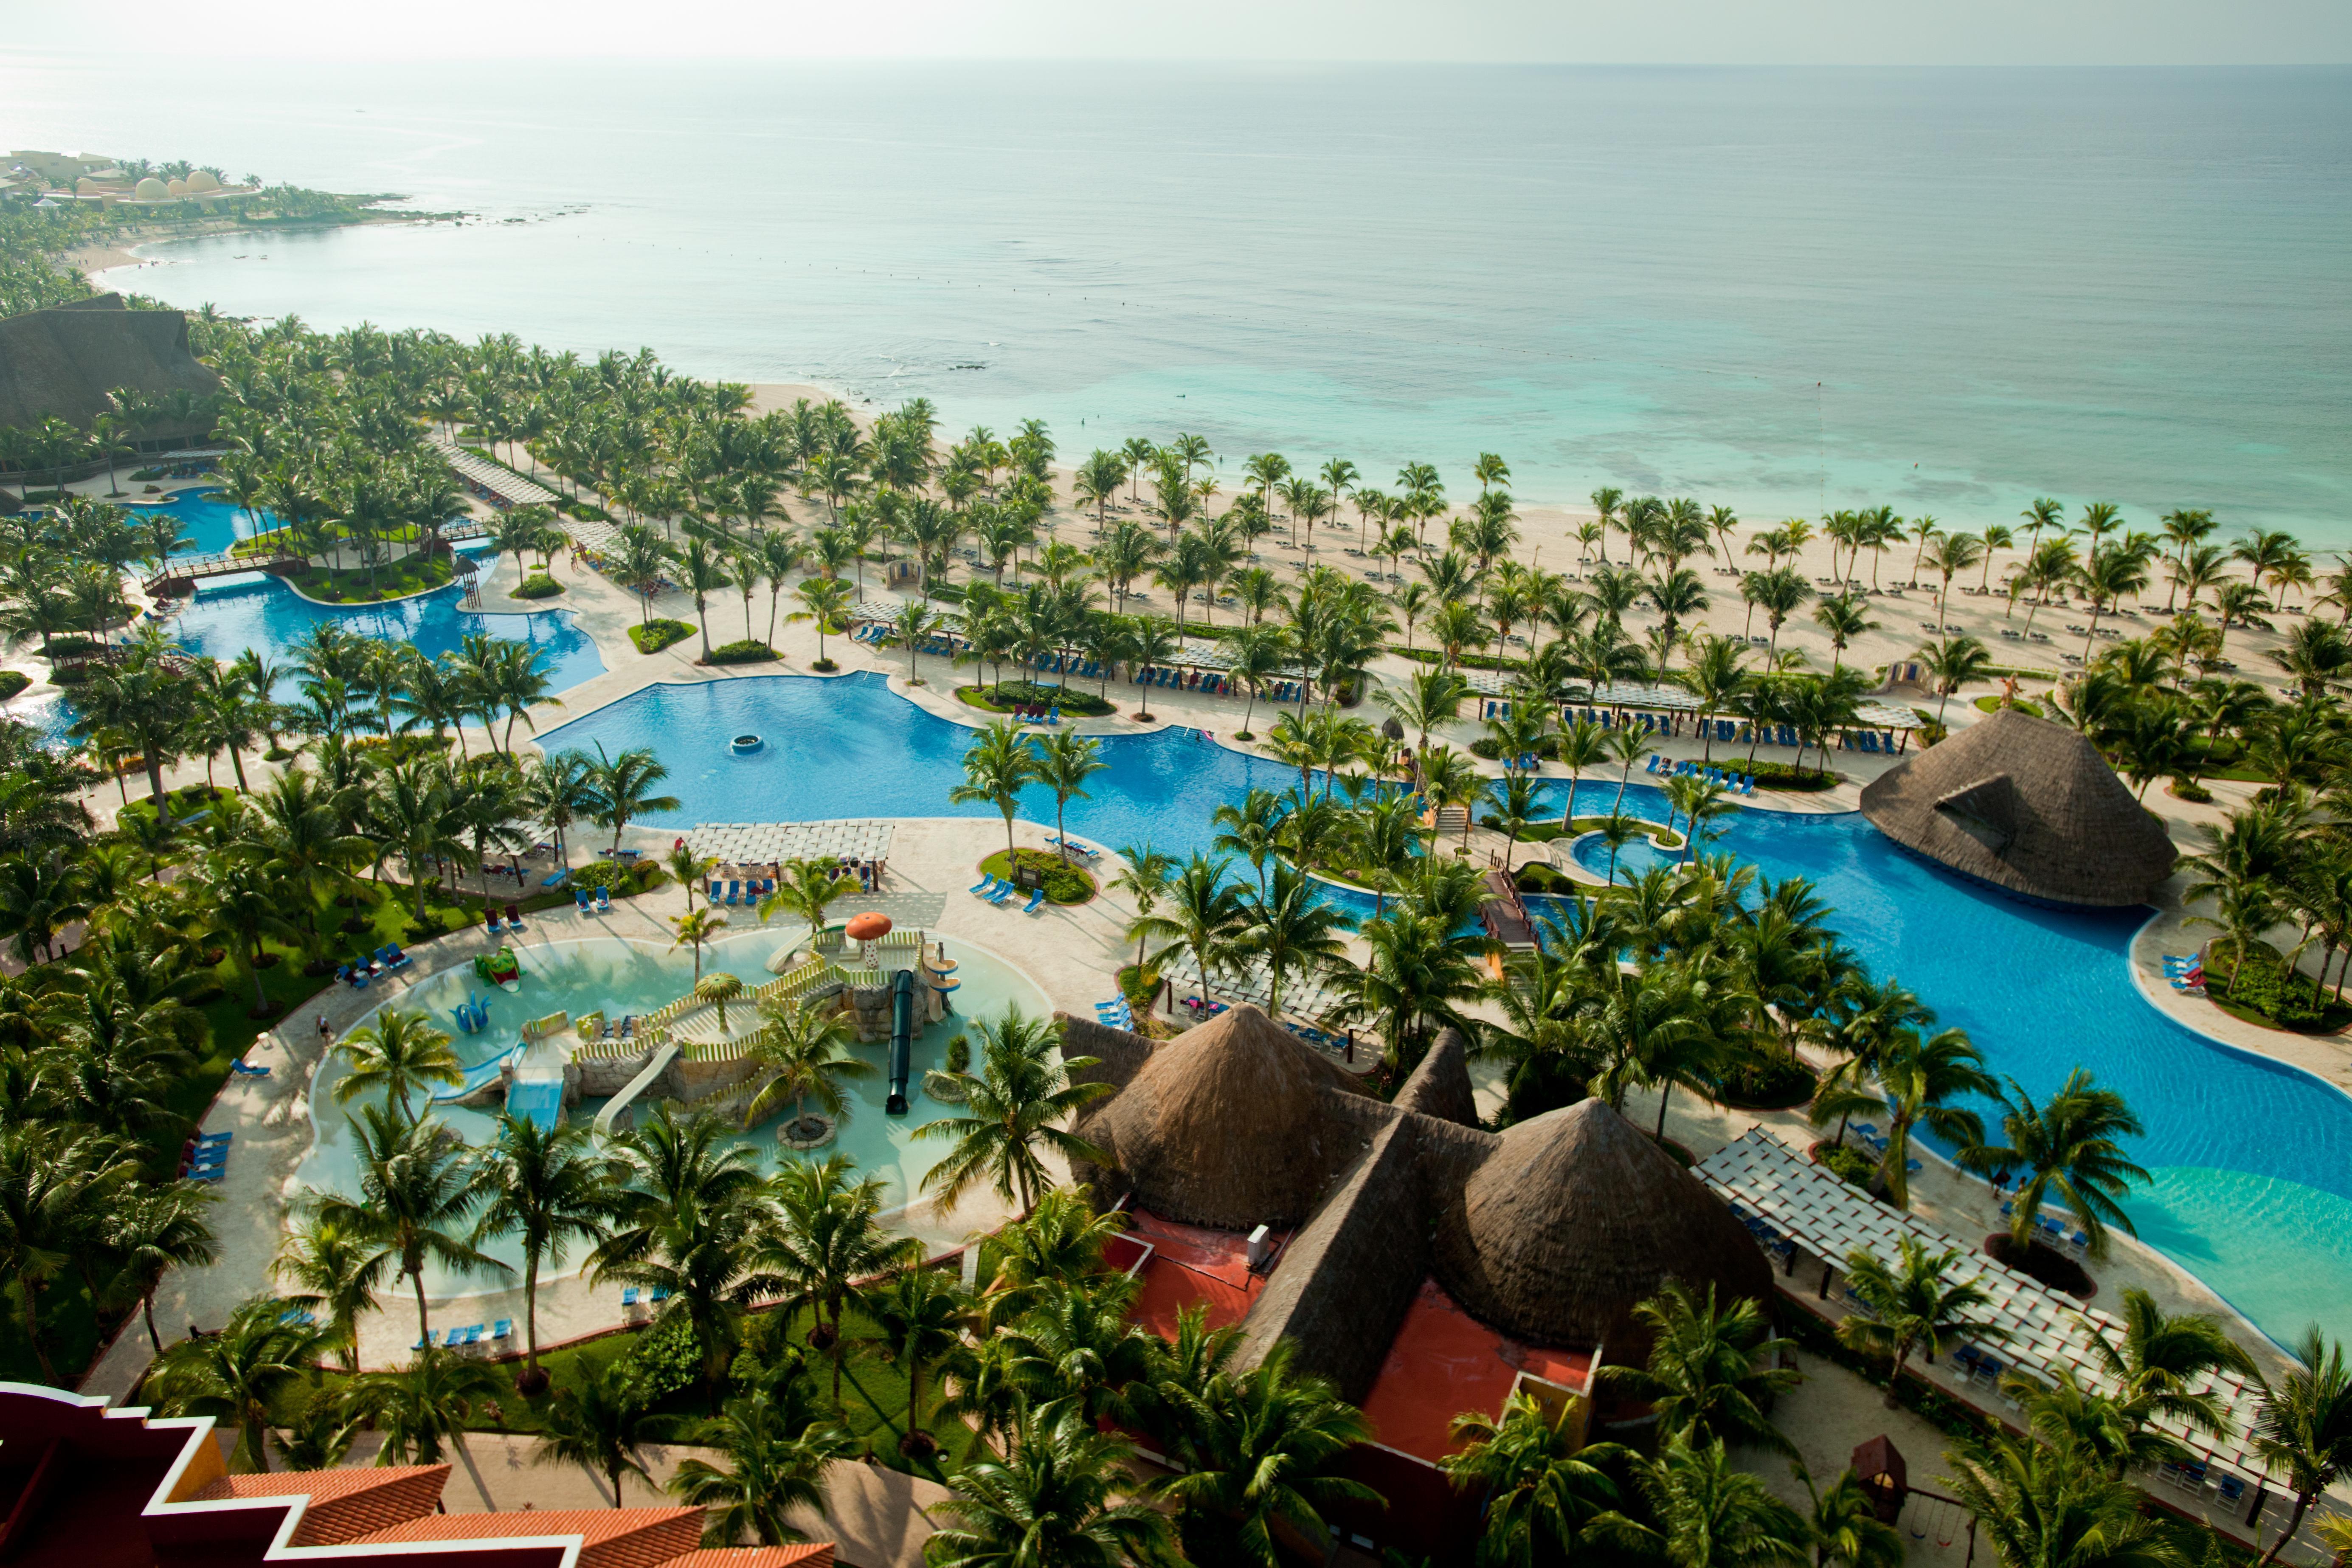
(618, 976)
(2252, 1160)
(209, 524)
(227, 616)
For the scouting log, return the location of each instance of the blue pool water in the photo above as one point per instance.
(2251, 1160)
(208, 523)
(231, 614)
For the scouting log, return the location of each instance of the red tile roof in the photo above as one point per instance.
(609, 1537)
(1444, 1362)
(344, 1504)
(818, 1555)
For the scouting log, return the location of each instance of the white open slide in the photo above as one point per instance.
(636, 1085)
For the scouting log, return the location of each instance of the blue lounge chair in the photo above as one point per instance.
(710, 891)
(1003, 893)
(734, 892)
(1655, 760)
(987, 881)
(242, 1069)
(504, 1330)
(629, 1297)
(554, 880)
(604, 901)
(432, 1337)
(1036, 903)
(661, 1294)
(215, 1137)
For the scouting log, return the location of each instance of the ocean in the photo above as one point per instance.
(1785, 290)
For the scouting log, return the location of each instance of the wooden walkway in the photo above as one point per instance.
(182, 572)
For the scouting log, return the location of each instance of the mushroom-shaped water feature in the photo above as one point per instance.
(719, 989)
(865, 930)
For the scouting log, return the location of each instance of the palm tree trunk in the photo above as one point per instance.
(423, 1323)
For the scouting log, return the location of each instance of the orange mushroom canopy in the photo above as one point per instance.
(868, 926)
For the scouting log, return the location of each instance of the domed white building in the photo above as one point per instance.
(149, 189)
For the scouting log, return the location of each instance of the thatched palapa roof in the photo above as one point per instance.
(1550, 1232)
(1574, 1218)
(63, 361)
(1225, 1125)
(2028, 806)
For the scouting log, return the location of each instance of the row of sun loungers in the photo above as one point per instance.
(205, 1158)
(382, 960)
(458, 1339)
(600, 901)
(1116, 1015)
(739, 892)
(1867, 1134)
(995, 889)
(513, 919)
(2187, 972)
(1743, 783)
(1073, 846)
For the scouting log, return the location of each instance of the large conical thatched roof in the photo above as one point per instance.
(1574, 1219)
(2029, 806)
(1228, 1125)
(63, 361)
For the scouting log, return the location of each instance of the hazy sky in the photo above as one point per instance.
(1994, 32)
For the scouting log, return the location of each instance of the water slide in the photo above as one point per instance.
(538, 1100)
(636, 1087)
(902, 1041)
(476, 1076)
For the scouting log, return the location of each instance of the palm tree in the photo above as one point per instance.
(1054, 1498)
(336, 1270)
(1292, 929)
(1846, 1529)
(1259, 1448)
(399, 1053)
(428, 1404)
(2304, 1432)
(1711, 1514)
(1845, 617)
(2068, 1148)
(997, 766)
(1415, 975)
(802, 1048)
(1143, 877)
(824, 600)
(825, 1244)
(1953, 662)
(1919, 1082)
(56, 1188)
(678, 1227)
(808, 888)
(603, 1423)
(693, 930)
(2037, 1504)
(238, 1375)
(1709, 1373)
(155, 1229)
(1542, 1485)
(1013, 1106)
(771, 1470)
(1911, 1304)
(2158, 1358)
(551, 1188)
(1205, 911)
(921, 1313)
(618, 789)
(1065, 759)
(416, 1181)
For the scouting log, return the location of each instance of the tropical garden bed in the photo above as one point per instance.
(743, 651)
(655, 636)
(538, 585)
(1014, 694)
(2270, 996)
(1064, 883)
(358, 585)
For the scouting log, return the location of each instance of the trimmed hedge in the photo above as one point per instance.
(1850, 1166)
(655, 636)
(538, 585)
(1064, 883)
(11, 681)
(742, 650)
(1789, 776)
(1017, 693)
(1535, 877)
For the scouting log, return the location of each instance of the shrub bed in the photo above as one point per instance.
(2268, 992)
(2190, 791)
(1014, 694)
(1789, 776)
(1535, 877)
(69, 674)
(1768, 1082)
(1546, 749)
(70, 647)
(11, 681)
(538, 585)
(742, 650)
(586, 511)
(1849, 1165)
(655, 636)
(1064, 883)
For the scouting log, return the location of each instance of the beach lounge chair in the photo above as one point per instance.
(735, 892)
(986, 882)
(395, 959)
(555, 879)
(504, 1329)
(432, 1337)
(242, 1070)
(215, 1137)
(1036, 903)
(490, 920)
(629, 1297)
(710, 891)
(604, 901)
(661, 1294)
(1655, 760)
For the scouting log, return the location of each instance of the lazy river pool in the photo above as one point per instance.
(2251, 1160)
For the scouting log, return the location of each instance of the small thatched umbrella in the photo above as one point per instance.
(719, 989)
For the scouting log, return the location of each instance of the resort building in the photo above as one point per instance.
(62, 363)
(1424, 1266)
(93, 1488)
(2028, 808)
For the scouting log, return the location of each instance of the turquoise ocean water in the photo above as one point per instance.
(1787, 290)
